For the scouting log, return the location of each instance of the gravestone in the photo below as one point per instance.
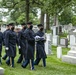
(1, 71)
(48, 47)
(55, 30)
(48, 44)
(55, 40)
(67, 28)
(72, 38)
(48, 36)
(3, 29)
(59, 52)
(71, 56)
(64, 42)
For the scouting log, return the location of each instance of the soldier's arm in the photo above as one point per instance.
(30, 38)
(19, 39)
(7, 40)
(4, 38)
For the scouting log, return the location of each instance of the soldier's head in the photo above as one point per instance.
(29, 25)
(12, 27)
(40, 26)
(23, 25)
(7, 26)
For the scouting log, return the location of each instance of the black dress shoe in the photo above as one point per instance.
(23, 66)
(3, 58)
(7, 63)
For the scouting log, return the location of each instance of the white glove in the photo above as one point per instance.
(19, 47)
(6, 48)
(37, 37)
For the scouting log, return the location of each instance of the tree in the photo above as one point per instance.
(54, 7)
(66, 16)
(74, 20)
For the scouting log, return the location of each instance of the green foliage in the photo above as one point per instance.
(74, 20)
(66, 16)
(63, 35)
(52, 7)
(56, 6)
(21, 18)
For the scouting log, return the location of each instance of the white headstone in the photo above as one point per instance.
(48, 36)
(48, 44)
(72, 40)
(59, 52)
(48, 47)
(71, 56)
(55, 30)
(55, 40)
(1, 71)
(64, 42)
(3, 29)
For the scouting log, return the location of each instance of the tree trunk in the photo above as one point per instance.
(56, 20)
(27, 10)
(42, 18)
(47, 22)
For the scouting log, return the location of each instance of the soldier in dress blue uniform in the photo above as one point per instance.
(22, 43)
(4, 33)
(1, 41)
(10, 44)
(30, 45)
(40, 50)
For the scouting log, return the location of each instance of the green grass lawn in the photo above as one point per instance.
(54, 67)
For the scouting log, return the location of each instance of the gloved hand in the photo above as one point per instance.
(37, 38)
(6, 48)
(19, 47)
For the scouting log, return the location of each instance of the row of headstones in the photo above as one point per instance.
(63, 41)
(69, 41)
(59, 41)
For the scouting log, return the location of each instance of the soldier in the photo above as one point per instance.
(22, 43)
(29, 34)
(4, 33)
(1, 41)
(40, 50)
(10, 44)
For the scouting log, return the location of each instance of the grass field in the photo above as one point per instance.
(54, 67)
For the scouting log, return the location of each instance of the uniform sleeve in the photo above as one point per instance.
(1, 40)
(19, 38)
(4, 38)
(7, 39)
(29, 36)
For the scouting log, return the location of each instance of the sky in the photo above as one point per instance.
(4, 10)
